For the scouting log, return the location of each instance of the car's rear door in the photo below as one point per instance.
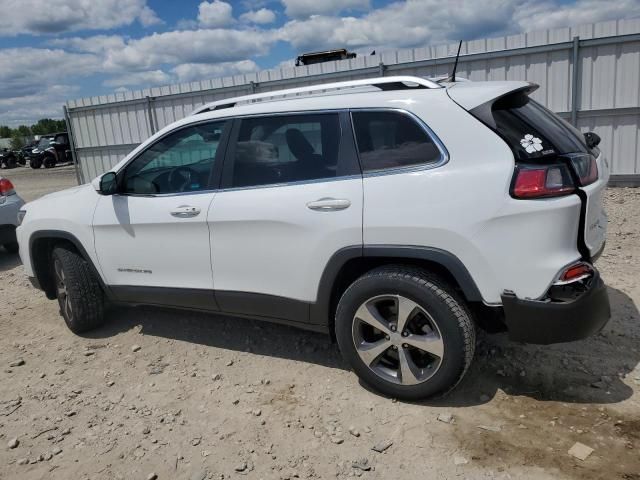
(291, 198)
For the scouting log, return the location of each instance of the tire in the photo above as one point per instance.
(35, 163)
(49, 161)
(437, 320)
(79, 294)
(11, 247)
(11, 162)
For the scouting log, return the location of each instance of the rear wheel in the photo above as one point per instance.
(35, 163)
(405, 332)
(10, 162)
(79, 294)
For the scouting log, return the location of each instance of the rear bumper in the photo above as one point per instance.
(545, 322)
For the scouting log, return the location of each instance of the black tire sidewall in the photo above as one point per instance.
(453, 363)
(11, 247)
(82, 290)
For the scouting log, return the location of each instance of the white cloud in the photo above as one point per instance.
(547, 14)
(148, 17)
(189, 46)
(306, 8)
(27, 109)
(401, 24)
(145, 79)
(262, 16)
(215, 14)
(189, 72)
(425, 22)
(27, 71)
(40, 17)
(94, 44)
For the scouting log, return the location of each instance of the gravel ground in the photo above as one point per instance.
(190, 396)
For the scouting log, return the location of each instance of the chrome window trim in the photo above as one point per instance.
(444, 153)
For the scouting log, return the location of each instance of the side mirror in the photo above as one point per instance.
(592, 139)
(107, 184)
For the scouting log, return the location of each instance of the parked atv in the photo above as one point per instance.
(51, 150)
(8, 159)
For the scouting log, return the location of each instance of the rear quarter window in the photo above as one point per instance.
(388, 140)
(532, 131)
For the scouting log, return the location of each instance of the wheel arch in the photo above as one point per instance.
(349, 263)
(41, 245)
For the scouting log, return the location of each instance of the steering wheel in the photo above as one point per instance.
(181, 177)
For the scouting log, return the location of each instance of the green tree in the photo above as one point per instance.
(47, 125)
(5, 132)
(16, 142)
(23, 131)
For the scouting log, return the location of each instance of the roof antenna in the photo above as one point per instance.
(452, 78)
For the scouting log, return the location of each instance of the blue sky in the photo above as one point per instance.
(55, 50)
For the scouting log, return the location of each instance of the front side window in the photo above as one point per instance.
(180, 162)
(392, 140)
(285, 148)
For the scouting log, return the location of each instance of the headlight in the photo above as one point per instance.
(21, 214)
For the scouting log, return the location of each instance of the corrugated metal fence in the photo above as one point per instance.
(589, 74)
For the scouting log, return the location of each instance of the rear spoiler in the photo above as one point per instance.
(479, 97)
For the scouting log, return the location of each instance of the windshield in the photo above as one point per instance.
(44, 142)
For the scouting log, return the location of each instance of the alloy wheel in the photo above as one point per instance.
(61, 289)
(397, 339)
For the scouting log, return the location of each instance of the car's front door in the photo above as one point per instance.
(291, 198)
(152, 238)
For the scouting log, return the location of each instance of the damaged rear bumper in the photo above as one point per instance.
(551, 321)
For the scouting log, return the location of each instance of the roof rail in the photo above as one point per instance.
(383, 83)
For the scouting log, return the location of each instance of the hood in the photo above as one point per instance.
(63, 194)
(470, 95)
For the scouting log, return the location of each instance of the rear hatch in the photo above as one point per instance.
(543, 143)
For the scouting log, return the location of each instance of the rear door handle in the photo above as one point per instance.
(185, 211)
(329, 204)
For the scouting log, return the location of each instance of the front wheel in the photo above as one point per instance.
(79, 294)
(405, 332)
(11, 247)
(49, 161)
(35, 163)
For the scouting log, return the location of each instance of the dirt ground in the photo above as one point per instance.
(190, 396)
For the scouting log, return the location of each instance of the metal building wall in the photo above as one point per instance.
(603, 95)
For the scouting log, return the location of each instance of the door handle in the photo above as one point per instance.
(329, 204)
(185, 211)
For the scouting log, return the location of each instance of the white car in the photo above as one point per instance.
(395, 213)
(10, 204)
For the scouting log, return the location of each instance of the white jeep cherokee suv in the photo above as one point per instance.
(395, 213)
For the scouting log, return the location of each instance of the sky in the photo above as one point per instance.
(55, 50)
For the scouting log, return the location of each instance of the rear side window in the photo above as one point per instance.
(392, 140)
(531, 130)
(286, 148)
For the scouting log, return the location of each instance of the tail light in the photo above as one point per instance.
(6, 187)
(538, 181)
(586, 168)
(574, 273)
